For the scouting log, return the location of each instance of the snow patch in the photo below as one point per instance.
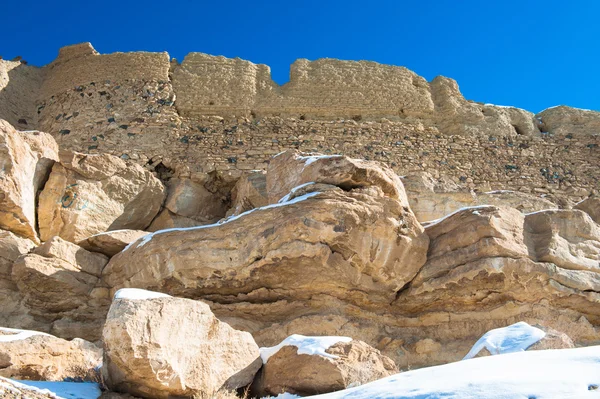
(514, 338)
(13, 334)
(66, 390)
(308, 159)
(546, 374)
(284, 395)
(306, 346)
(471, 208)
(138, 294)
(140, 242)
(286, 197)
(499, 192)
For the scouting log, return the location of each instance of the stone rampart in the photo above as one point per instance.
(227, 115)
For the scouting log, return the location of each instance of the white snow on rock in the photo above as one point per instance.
(473, 209)
(13, 334)
(545, 374)
(308, 159)
(286, 197)
(138, 294)
(62, 390)
(306, 346)
(514, 338)
(146, 239)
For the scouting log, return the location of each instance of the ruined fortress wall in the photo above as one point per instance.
(81, 64)
(326, 88)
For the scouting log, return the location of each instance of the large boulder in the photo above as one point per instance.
(311, 365)
(526, 203)
(13, 312)
(58, 281)
(489, 266)
(248, 193)
(291, 169)
(111, 243)
(591, 206)
(168, 220)
(91, 194)
(25, 166)
(359, 246)
(565, 120)
(568, 238)
(192, 200)
(146, 356)
(31, 355)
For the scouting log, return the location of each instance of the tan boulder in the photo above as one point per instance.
(25, 168)
(249, 192)
(58, 282)
(591, 206)
(336, 364)
(111, 243)
(552, 340)
(563, 120)
(31, 355)
(192, 200)
(291, 169)
(145, 356)
(568, 238)
(359, 246)
(13, 312)
(91, 194)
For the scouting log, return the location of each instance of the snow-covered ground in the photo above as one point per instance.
(138, 294)
(556, 374)
(60, 390)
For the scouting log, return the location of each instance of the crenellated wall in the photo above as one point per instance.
(227, 115)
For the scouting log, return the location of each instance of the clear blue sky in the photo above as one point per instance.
(530, 54)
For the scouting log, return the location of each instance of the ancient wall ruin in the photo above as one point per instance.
(227, 115)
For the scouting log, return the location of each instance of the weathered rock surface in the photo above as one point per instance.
(25, 169)
(432, 198)
(91, 194)
(565, 120)
(168, 220)
(553, 340)
(29, 355)
(292, 169)
(249, 192)
(347, 364)
(59, 285)
(591, 206)
(13, 311)
(192, 200)
(111, 242)
(358, 246)
(146, 356)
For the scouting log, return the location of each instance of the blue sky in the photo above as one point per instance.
(530, 54)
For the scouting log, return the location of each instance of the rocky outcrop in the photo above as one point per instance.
(59, 285)
(293, 169)
(248, 193)
(111, 242)
(322, 240)
(432, 198)
(591, 206)
(565, 120)
(91, 194)
(25, 170)
(30, 355)
(145, 356)
(344, 364)
(192, 200)
(11, 302)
